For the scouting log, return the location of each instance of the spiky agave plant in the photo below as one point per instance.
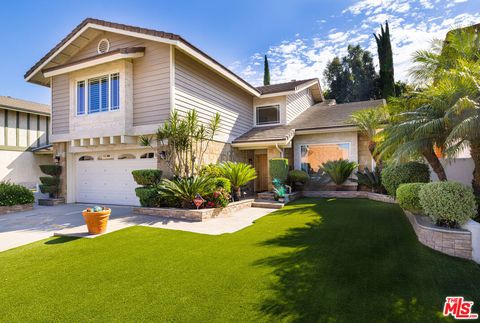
(370, 179)
(185, 189)
(339, 170)
(239, 174)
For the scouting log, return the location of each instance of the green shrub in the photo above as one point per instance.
(279, 169)
(185, 189)
(448, 203)
(372, 180)
(298, 177)
(222, 182)
(147, 177)
(50, 184)
(411, 172)
(239, 174)
(339, 170)
(212, 170)
(148, 196)
(52, 170)
(407, 196)
(13, 194)
(49, 180)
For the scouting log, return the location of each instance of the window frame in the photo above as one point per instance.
(302, 145)
(86, 93)
(257, 108)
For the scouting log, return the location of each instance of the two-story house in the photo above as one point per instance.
(111, 83)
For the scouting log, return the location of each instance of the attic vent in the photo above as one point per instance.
(103, 46)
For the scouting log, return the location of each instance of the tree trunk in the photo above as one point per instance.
(435, 163)
(372, 145)
(475, 153)
(236, 194)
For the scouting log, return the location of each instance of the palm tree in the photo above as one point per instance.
(453, 73)
(414, 131)
(239, 174)
(369, 121)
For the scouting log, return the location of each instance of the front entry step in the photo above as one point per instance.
(267, 204)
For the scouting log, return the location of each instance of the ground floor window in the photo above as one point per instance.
(312, 156)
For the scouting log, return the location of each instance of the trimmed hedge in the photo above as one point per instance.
(279, 169)
(222, 182)
(147, 177)
(13, 194)
(148, 196)
(298, 176)
(448, 203)
(411, 172)
(52, 170)
(407, 196)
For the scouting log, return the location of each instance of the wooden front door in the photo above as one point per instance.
(261, 166)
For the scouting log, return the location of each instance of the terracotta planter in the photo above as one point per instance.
(96, 221)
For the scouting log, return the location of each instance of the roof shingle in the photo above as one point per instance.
(318, 116)
(24, 105)
(282, 87)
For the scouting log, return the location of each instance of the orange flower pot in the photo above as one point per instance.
(96, 221)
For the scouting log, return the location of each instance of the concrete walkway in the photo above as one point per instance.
(17, 229)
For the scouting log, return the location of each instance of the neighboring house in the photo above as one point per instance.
(112, 83)
(24, 140)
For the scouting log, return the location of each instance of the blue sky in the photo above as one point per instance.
(299, 36)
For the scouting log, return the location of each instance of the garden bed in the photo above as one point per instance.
(16, 208)
(450, 241)
(192, 214)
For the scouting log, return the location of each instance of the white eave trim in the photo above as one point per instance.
(265, 143)
(325, 130)
(297, 90)
(205, 60)
(90, 63)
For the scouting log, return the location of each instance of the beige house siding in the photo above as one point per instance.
(151, 76)
(196, 87)
(364, 156)
(297, 103)
(60, 104)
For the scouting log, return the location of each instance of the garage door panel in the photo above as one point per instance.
(109, 181)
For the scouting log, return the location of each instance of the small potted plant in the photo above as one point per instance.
(96, 219)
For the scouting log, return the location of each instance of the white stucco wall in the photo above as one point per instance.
(458, 170)
(22, 167)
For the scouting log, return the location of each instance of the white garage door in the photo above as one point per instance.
(107, 178)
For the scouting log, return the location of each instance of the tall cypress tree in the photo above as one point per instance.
(385, 57)
(266, 72)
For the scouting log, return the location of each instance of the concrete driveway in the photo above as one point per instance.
(17, 229)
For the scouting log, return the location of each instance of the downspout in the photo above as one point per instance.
(280, 150)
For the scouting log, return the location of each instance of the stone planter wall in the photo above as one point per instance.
(453, 242)
(350, 194)
(15, 208)
(194, 215)
(474, 228)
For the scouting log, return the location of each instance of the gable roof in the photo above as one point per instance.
(293, 87)
(10, 103)
(320, 116)
(156, 35)
(282, 87)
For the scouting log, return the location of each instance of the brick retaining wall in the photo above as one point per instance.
(453, 242)
(194, 215)
(16, 208)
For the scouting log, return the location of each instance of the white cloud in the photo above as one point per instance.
(413, 25)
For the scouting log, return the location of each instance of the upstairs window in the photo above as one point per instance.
(81, 97)
(99, 94)
(268, 115)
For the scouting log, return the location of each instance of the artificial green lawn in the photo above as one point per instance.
(314, 260)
